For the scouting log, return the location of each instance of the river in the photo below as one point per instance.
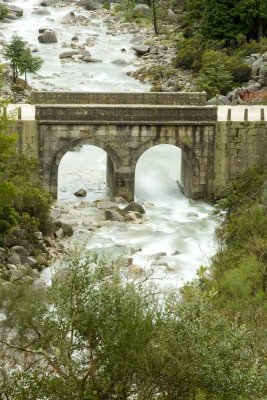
(177, 234)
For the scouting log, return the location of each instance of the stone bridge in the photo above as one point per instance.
(125, 125)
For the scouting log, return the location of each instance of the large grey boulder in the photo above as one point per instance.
(89, 5)
(68, 54)
(141, 49)
(142, 10)
(172, 17)
(47, 37)
(14, 9)
(139, 39)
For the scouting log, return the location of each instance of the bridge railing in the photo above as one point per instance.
(126, 114)
(156, 98)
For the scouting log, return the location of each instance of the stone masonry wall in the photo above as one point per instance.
(238, 146)
(177, 98)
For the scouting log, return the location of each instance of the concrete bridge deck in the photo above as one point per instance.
(237, 112)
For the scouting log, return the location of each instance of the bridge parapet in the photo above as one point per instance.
(149, 114)
(156, 98)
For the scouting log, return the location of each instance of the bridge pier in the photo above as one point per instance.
(120, 182)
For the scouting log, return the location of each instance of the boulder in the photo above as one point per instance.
(14, 9)
(14, 259)
(222, 100)
(172, 17)
(112, 215)
(141, 49)
(263, 74)
(104, 204)
(132, 216)
(134, 206)
(75, 38)
(140, 39)
(89, 5)
(47, 37)
(141, 10)
(69, 17)
(89, 59)
(69, 54)
(256, 67)
(21, 252)
(67, 229)
(31, 262)
(120, 61)
(81, 193)
(41, 11)
(193, 214)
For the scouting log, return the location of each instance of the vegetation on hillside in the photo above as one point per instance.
(23, 202)
(94, 335)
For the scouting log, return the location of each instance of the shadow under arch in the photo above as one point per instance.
(190, 164)
(112, 159)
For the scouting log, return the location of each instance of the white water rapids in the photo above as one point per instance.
(175, 225)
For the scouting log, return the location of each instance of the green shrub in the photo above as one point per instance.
(3, 12)
(215, 76)
(241, 71)
(189, 54)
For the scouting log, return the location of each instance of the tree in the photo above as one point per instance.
(94, 335)
(28, 63)
(13, 53)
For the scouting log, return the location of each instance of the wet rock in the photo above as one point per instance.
(105, 204)
(69, 54)
(41, 11)
(75, 38)
(69, 17)
(89, 59)
(192, 214)
(160, 254)
(81, 193)
(14, 9)
(120, 200)
(141, 49)
(121, 62)
(134, 206)
(112, 215)
(132, 216)
(176, 253)
(47, 37)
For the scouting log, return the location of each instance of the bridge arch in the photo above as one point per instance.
(190, 164)
(113, 161)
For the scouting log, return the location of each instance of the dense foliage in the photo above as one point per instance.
(21, 59)
(22, 200)
(94, 335)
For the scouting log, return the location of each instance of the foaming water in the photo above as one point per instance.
(178, 235)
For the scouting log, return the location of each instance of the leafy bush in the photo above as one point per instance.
(189, 53)
(215, 76)
(3, 12)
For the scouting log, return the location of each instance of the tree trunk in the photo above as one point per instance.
(25, 74)
(259, 28)
(154, 17)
